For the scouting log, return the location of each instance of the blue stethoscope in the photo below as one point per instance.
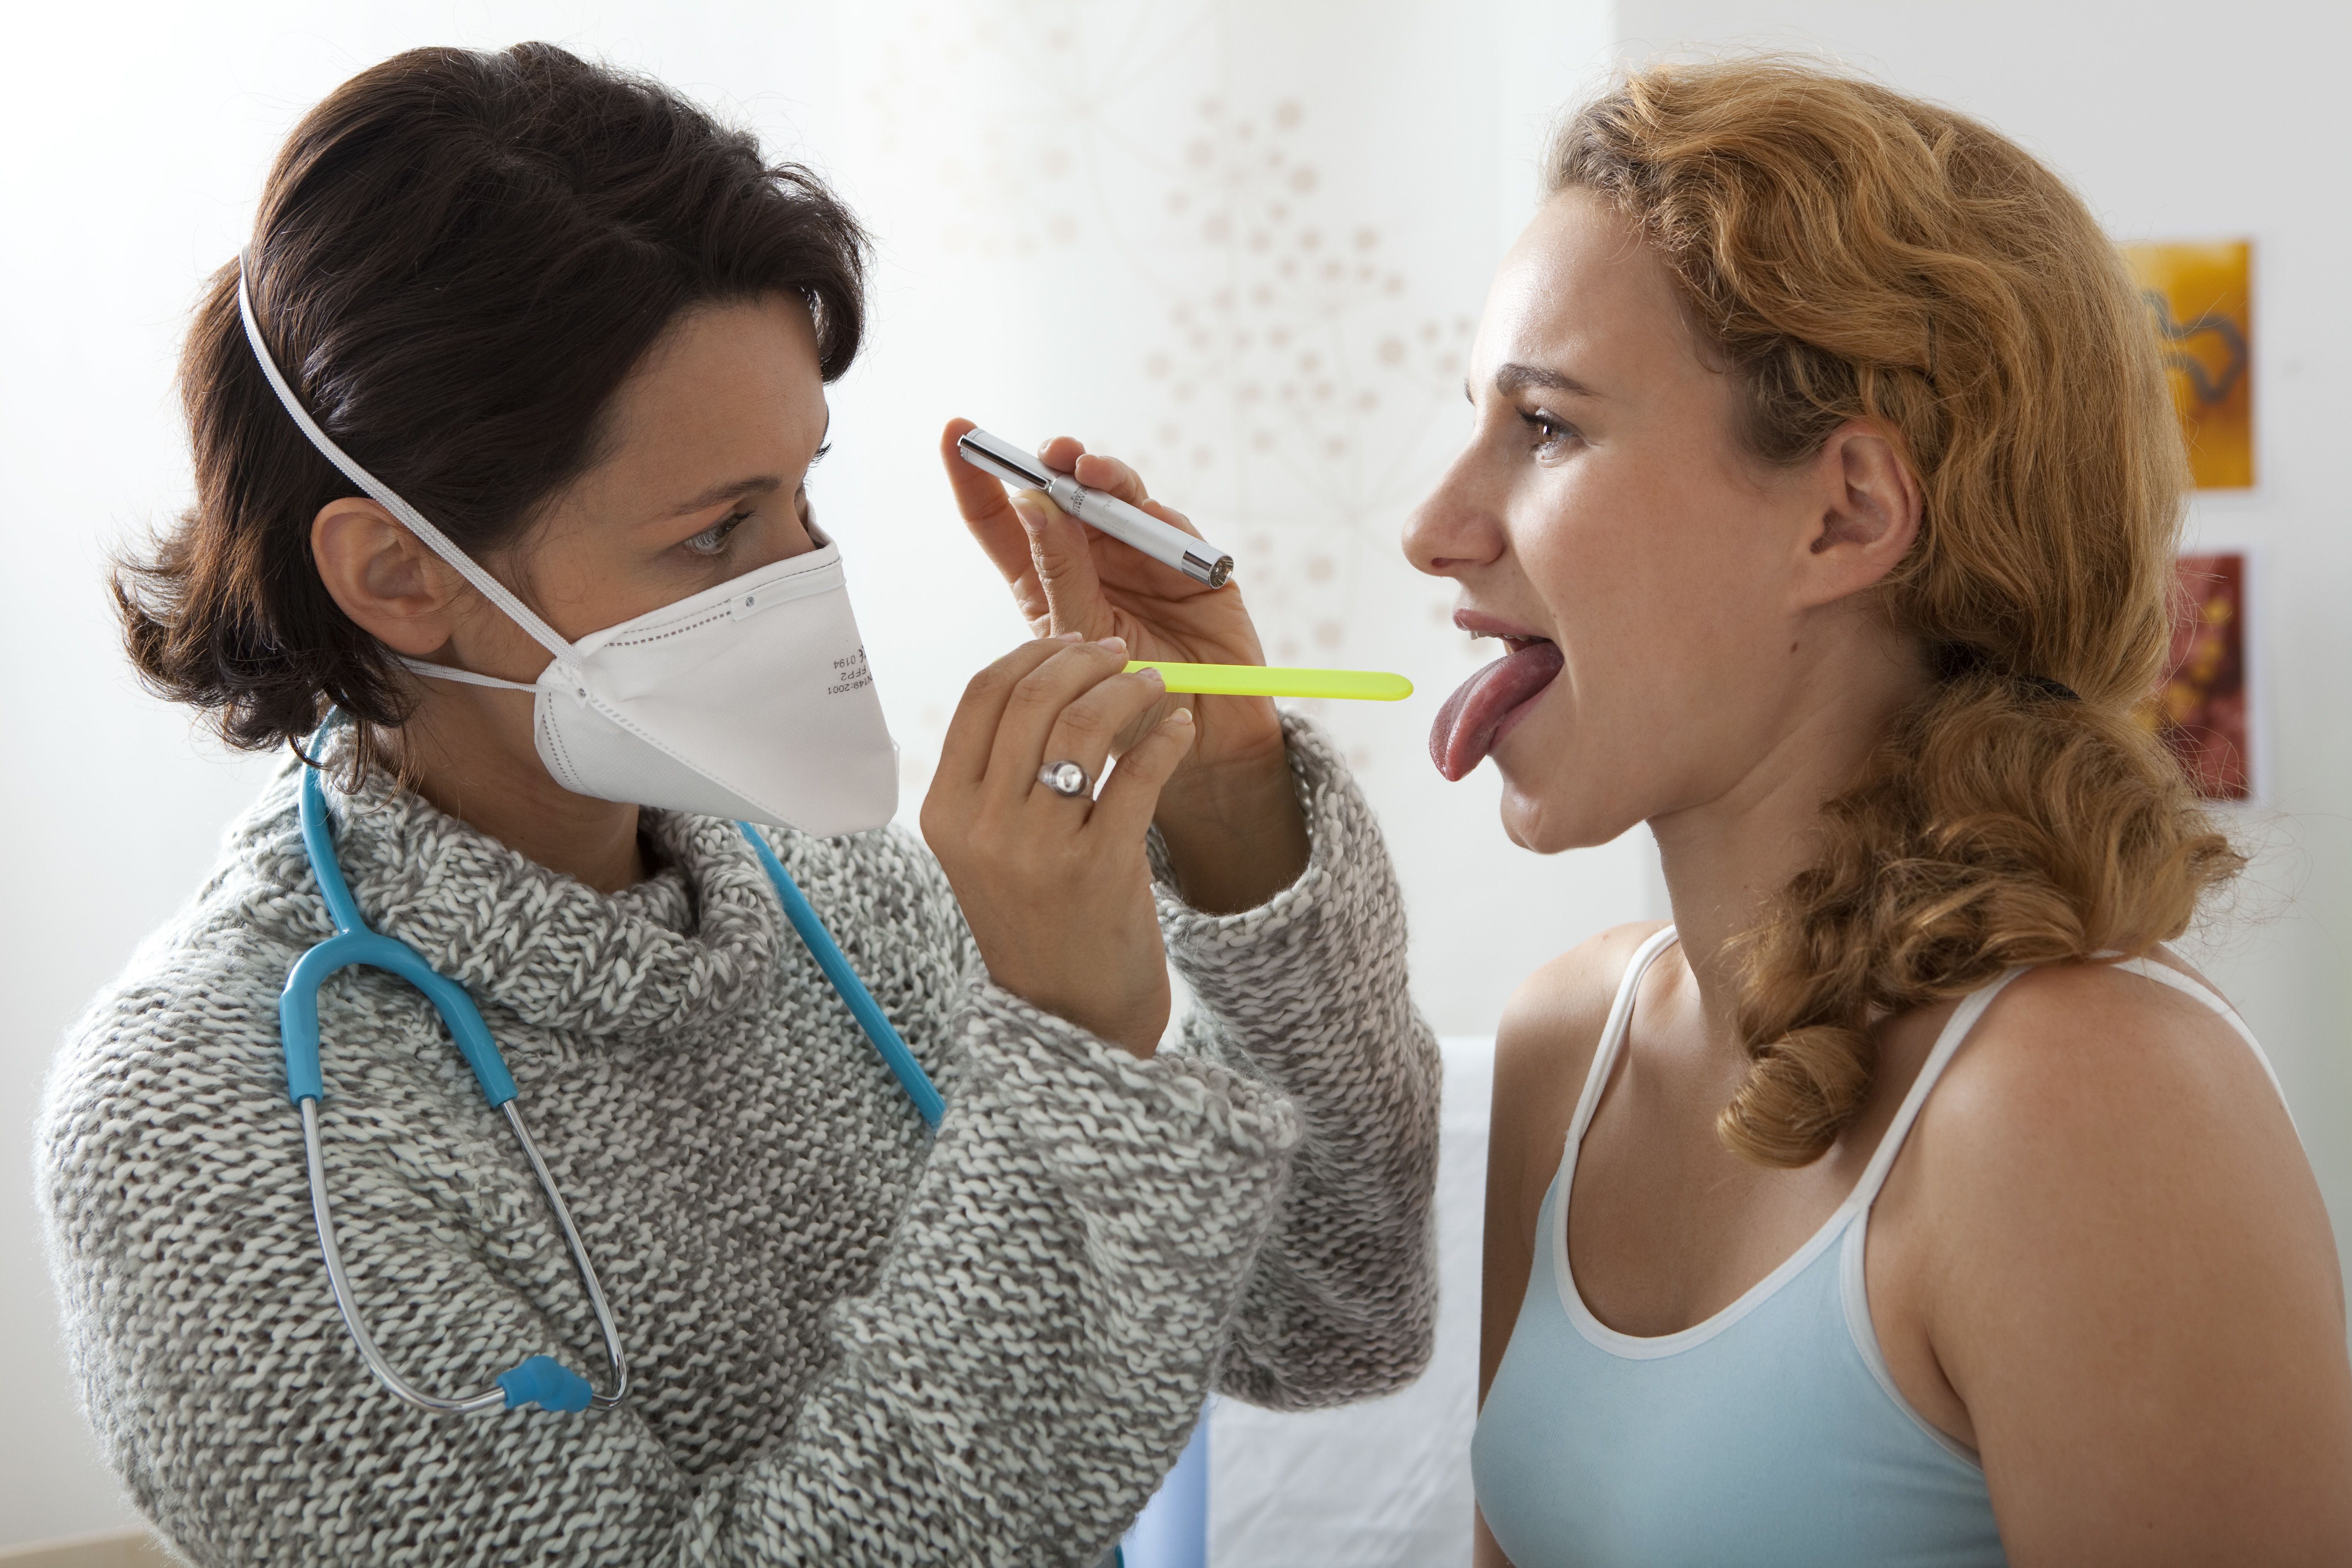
(539, 1380)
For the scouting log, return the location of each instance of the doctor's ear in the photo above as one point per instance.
(384, 577)
(1867, 508)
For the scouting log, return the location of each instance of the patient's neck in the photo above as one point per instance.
(468, 750)
(1725, 860)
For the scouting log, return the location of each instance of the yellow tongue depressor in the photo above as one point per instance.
(1257, 680)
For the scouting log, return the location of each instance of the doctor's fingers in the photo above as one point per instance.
(987, 513)
(1123, 812)
(1061, 553)
(972, 734)
(1040, 700)
(1112, 477)
(1086, 731)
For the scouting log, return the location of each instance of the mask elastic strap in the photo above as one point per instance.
(451, 672)
(434, 540)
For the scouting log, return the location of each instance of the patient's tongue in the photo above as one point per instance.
(1465, 726)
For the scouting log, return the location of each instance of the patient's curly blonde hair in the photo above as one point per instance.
(1855, 254)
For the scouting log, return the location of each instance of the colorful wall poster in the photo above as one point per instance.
(2202, 708)
(2200, 297)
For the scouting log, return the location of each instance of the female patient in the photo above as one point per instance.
(587, 332)
(1905, 1201)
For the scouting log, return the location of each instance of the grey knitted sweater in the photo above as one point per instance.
(849, 1343)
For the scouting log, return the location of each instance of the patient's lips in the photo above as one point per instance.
(1471, 719)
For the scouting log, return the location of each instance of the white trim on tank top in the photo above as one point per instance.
(1858, 1204)
(1854, 1293)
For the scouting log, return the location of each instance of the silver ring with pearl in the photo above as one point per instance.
(1065, 779)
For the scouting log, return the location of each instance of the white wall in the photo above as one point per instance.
(1056, 162)
(2180, 121)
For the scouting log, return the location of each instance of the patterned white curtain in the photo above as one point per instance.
(1244, 247)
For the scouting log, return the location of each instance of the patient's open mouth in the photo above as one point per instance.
(1489, 702)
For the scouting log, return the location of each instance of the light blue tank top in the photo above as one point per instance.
(1769, 1434)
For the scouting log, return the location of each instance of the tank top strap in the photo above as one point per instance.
(1963, 1019)
(1613, 1036)
(1948, 1046)
(2189, 985)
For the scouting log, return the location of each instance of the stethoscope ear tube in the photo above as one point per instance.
(348, 1304)
(539, 1380)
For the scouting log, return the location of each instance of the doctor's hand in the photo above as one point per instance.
(1229, 815)
(1055, 887)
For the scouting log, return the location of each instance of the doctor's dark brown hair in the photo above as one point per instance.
(458, 258)
(1852, 254)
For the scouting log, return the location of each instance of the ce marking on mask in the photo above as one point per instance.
(850, 674)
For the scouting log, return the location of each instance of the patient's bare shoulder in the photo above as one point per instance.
(1547, 1037)
(2135, 1291)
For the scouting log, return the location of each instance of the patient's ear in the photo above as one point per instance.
(384, 577)
(1866, 507)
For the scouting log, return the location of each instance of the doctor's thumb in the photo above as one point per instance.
(1058, 548)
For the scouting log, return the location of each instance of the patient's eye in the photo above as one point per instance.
(1552, 434)
(712, 540)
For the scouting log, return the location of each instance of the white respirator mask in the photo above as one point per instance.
(750, 700)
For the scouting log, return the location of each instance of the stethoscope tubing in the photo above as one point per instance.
(852, 990)
(298, 1018)
(494, 1397)
(354, 943)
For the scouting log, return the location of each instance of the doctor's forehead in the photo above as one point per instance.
(722, 381)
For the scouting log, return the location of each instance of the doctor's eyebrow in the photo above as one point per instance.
(733, 489)
(763, 484)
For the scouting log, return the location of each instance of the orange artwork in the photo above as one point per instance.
(2200, 710)
(2201, 299)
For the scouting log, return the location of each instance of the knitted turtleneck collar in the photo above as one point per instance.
(685, 947)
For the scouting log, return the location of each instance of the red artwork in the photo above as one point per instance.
(2200, 710)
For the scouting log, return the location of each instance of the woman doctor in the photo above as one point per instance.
(576, 337)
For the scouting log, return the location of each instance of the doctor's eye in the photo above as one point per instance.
(713, 539)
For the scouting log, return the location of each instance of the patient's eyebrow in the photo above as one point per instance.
(1514, 377)
(733, 489)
